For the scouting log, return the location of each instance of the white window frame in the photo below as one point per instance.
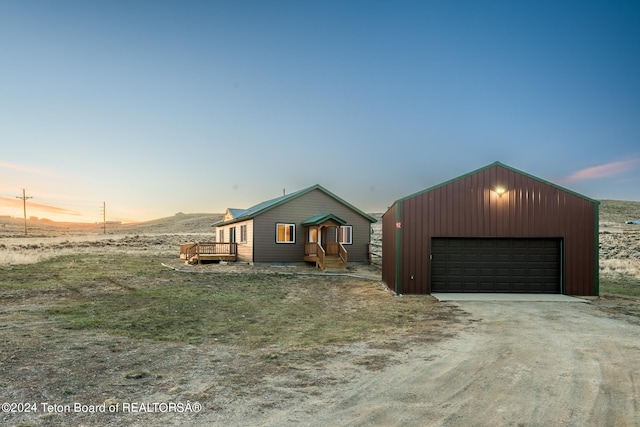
(243, 233)
(221, 235)
(292, 232)
(342, 231)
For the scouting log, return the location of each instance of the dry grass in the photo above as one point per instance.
(113, 326)
(619, 248)
(92, 318)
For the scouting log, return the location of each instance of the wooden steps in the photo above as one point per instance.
(334, 262)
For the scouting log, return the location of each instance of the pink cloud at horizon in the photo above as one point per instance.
(603, 171)
(28, 169)
(13, 207)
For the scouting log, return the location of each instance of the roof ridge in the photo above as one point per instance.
(271, 203)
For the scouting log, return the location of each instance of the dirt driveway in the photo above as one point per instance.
(520, 364)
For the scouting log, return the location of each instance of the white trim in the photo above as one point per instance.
(343, 229)
(243, 233)
(292, 234)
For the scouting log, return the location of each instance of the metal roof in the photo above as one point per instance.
(319, 219)
(500, 164)
(256, 210)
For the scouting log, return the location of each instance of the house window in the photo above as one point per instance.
(221, 235)
(243, 234)
(346, 234)
(285, 233)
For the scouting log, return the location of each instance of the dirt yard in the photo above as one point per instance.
(467, 363)
(524, 364)
(484, 364)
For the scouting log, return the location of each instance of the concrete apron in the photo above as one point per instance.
(505, 297)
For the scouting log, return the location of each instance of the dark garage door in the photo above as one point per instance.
(495, 265)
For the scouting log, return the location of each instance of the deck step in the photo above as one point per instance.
(334, 263)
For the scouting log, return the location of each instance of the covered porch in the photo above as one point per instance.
(322, 245)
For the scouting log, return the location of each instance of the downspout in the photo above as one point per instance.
(399, 248)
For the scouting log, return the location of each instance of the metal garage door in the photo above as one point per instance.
(495, 265)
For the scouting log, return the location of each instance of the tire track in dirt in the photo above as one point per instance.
(521, 364)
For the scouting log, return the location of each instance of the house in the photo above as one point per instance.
(312, 225)
(496, 229)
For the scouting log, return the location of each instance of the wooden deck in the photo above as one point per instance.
(196, 252)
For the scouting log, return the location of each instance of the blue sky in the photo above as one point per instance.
(158, 107)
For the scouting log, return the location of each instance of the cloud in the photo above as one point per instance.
(603, 171)
(28, 169)
(40, 208)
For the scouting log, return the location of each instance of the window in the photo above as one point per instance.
(285, 233)
(232, 235)
(221, 235)
(345, 234)
(243, 234)
(313, 235)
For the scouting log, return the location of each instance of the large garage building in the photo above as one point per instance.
(495, 229)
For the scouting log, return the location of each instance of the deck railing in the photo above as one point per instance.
(315, 250)
(188, 250)
(191, 249)
(343, 253)
(217, 248)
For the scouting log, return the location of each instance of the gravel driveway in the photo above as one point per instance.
(517, 364)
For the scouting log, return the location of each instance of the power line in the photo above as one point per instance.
(24, 207)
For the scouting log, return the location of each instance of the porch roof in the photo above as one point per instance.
(319, 219)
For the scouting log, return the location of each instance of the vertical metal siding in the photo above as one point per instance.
(389, 250)
(468, 207)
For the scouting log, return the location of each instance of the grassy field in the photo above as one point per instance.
(136, 297)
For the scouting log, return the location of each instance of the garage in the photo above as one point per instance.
(496, 229)
(495, 265)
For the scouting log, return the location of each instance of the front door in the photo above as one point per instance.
(329, 235)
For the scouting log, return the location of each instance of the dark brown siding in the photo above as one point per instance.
(468, 207)
(298, 210)
(389, 247)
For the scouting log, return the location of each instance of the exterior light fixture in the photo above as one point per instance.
(500, 191)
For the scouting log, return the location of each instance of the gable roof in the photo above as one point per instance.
(319, 219)
(260, 208)
(236, 212)
(505, 167)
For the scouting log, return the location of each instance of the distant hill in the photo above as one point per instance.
(618, 211)
(178, 223)
(613, 213)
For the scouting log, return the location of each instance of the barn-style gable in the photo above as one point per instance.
(496, 229)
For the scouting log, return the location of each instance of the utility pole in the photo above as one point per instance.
(24, 207)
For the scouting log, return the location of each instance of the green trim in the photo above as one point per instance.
(399, 248)
(319, 219)
(596, 249)
(260, 208)
(505, 167)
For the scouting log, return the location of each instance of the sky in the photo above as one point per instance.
(150, 108)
